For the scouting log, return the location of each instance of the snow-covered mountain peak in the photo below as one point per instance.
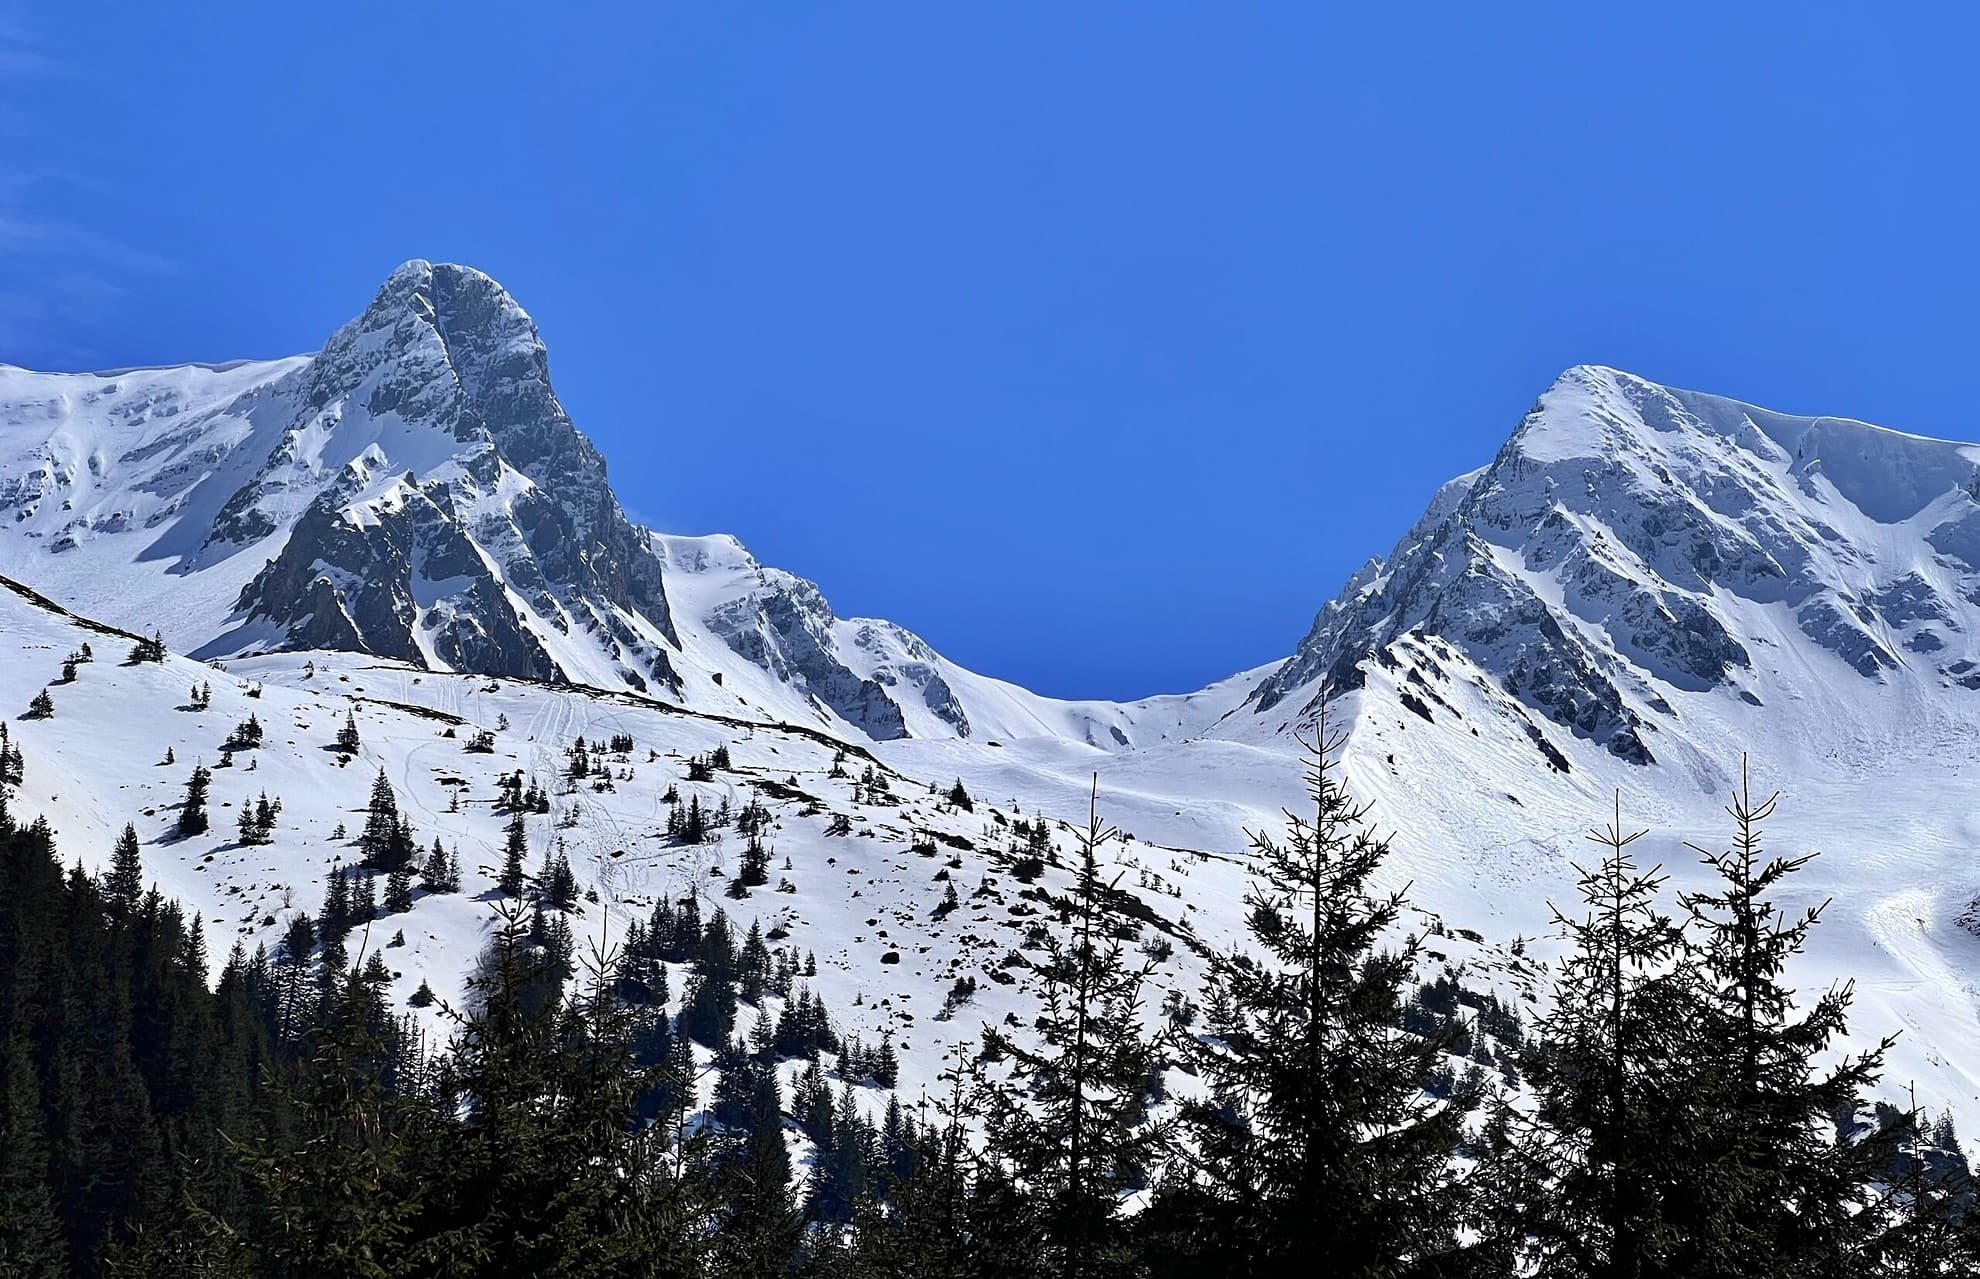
(1718, 444)
(415, 490)
(1632, 541)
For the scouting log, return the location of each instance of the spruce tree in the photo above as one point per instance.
(364, 899)
(347, 735)
(757, 1234)
(124, 885)
(192, 813)
(1925, 1226)
(381, 823)
(30, 1238)
(398, 890)
(343, 1201)
(435, 874)
(1600, 1157)
(1778, 1187)
(1317, 1146)
(336, 920)
(514, 849)
(1069, 1114)
(545, 1170)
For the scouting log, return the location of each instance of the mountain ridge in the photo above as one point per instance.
(1642, 584)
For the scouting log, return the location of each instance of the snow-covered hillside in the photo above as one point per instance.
(863, 852)
(1642, 585)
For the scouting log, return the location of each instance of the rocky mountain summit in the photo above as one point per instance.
(466, 514)
(414, 490)
(1630, 539)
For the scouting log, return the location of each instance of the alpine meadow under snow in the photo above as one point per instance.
(404, 534)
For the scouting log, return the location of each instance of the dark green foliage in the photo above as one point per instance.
(347, 735)
(1925, 1224)
(560, 888)
(387, 841)
(13, 766)
(124, 885)
(755, 869)
(192, 812)
(118, 1068)
(1317, 1145)
(515, 847)
(441, 872)
(257, 822)
(1603, 1068)
(1068, 1117)
(1684, 1125)
(289, 1123)
(1782, 1182)
(399, 890)
(247, 735)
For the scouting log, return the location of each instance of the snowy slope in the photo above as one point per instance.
(864, 903)
(1643, 584)
(772, 635)
(415, 490)
(110, 484)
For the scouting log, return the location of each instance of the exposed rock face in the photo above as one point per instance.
(1630, 539)
(880, 678)
(786, 628)
(346, 585)
(469, 522)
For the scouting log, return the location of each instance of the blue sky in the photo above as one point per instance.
(1097, 343)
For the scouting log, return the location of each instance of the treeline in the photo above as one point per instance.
(1326, 1107)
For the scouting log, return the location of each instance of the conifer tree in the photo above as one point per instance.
(30, 1238)
(12, 765)
(1317, 1147)
(347, 735)
(346, 1202)
(546, 1172)
(124, 885)
(336, 920)
(192, 813)
(760, 1223)
(381, 824)
(364, 899)
(1601, 1156)
(1070, 1116)
(1925, 1226)
(755, 869)
(1777, 1184)
(398, 890)
(439, 873)
(514, 848)
(559, 883)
